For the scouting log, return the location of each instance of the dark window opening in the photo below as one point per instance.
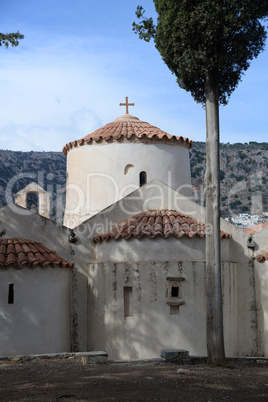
(175, 291)
(11, 293)
(32, 201)
(128, 301)
(143, 178)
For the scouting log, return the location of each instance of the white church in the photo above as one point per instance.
(126, 272)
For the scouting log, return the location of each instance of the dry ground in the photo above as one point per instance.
(56, 380)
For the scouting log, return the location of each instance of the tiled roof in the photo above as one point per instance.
(256, 228)
(153, 223)
(128, 128)
(21, 252)
(262, 258)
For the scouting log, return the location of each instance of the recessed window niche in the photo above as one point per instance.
(174, 291)
(127, 168)
(11, 293)
(174, 310)
(128, 301)
(143, 178)
(174, 299)
(33, 201)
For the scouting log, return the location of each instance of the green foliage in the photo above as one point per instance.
(222, 175)
(198, 39)
(196, 171)
(10, 39)
(242, 155)
(244, 209)
(239, 178)
(146, 29)
(235, 204)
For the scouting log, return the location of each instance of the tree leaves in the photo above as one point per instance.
(197, 37)
(10, 39)
(146, 29)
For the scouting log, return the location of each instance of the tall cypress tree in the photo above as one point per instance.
(208, 45)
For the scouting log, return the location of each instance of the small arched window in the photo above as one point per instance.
(127, 167)
(143, 178)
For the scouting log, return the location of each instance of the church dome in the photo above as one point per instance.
(128, 128)
(116, 159)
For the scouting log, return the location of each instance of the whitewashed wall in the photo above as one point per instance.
(244, 281)
(152, 326)
(100, 175)
(39, 319)
(21, 223)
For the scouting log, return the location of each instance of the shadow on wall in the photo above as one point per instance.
(261, 274)
(156, 322)
(134, 311)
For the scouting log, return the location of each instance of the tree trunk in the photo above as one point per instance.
(215, 342)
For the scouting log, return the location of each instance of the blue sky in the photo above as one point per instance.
(80, 59)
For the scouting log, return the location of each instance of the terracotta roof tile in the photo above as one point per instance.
(153, 223)
(10, 259)
(256, 228)
(21, 252)
(128, 128)
(262, 258)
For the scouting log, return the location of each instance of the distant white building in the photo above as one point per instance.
(244, 216)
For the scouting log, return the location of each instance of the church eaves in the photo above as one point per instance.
(256, 228)
(157, 223)
(262, 257)
(128, 128)
(21, 252)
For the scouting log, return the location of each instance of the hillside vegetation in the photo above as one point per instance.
(244, 176)
(48, 169)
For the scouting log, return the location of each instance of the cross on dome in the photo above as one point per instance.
(127, 104)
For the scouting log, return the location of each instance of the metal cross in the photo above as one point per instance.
(127, 104)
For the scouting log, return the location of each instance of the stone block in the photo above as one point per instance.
(15, 358)
(97, 357)
(171, 355)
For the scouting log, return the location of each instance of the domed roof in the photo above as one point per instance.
(128, 128)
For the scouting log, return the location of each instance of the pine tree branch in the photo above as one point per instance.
(10, 39)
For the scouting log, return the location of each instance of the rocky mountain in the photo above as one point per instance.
(48, 169)
(244, 176)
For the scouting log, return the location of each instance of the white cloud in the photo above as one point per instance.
(49, 138)
(59, 87)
